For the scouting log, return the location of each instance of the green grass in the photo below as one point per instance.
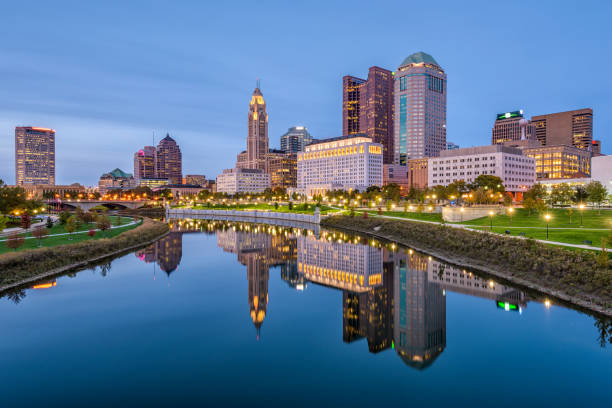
(559, 219)
(78, 236)
(436, 217)
(571, 236)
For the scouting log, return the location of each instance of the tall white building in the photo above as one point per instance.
(344, 163)
(508, 163)
(239, 180)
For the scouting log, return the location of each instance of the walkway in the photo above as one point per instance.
(79, 232)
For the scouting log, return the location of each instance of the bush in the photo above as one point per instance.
(63, 216)
(39, 232)
(49, 224)
(26, 221)
(15, 241)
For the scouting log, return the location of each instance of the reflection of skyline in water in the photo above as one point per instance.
(167, 252)
(391, 298)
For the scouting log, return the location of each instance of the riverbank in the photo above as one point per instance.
(573, 277)
(19, 268)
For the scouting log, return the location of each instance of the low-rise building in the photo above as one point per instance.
(152, 183)
(601, 170)
(516, 170)
(396, 174)
(560, 162)
(348, 163)
(241, 180)
(38, 191)
(282, 168)
(417, 172)
(181, 190)
(116, 179)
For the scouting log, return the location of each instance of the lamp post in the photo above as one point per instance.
(581, 207)
(461, 210)
(491, 214)
(547, 217)
(510, 211)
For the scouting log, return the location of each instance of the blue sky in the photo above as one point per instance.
(106, 75)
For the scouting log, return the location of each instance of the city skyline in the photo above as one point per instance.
(129, 94)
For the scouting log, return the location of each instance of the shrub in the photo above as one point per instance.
(15, 241)
(49, 224)
(39, 233)
(91, 233)
(63, 216)
(26, 221)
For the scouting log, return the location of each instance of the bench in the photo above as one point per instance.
(587, 242)
(522, 234)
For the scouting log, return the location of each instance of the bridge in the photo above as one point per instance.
(87, 205)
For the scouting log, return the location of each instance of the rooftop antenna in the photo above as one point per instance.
(153, 138)
(258, 83)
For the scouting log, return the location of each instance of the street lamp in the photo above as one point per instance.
(491, 214)
(581, 207)
(462, 210)
(547, 217)
(510, 211)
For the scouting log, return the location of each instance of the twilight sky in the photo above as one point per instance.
(106, 75)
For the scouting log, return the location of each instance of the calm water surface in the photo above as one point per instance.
(228, 314)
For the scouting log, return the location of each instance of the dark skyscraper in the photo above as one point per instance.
(572, 128)
(144, 163)
(295, 139)
(511, 126)
(367, 107)
(169, 161)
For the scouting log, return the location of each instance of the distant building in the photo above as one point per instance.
(242, 180)
(144, 163)
(512, 126)
(152, 183)
(420, 108)
(396, 174)
(169, 163)
(195, 179)
(295, 139)
(181, 190)
(367, 108)
(38, 191)
(257, 139)
(517, 171)
(571, 128)
(560, 162)
(282, 168)
(116, 179)
(417, 173)
(451, 146)
(34, 155)
(596, 148)
(601, 170)
(347, 163)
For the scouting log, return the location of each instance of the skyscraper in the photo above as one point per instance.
(295, 139)
(367, 107)
(257, 138)
(169, 163)
(420, 108)
(144, 163)
(571, 128)
(34, 155)
(511, 126)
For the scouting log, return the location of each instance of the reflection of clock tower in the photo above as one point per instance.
(258, 275)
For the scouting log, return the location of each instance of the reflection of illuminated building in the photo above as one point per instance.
(258, 250)
(290, 274)
(346, 266)
(167, 252)
(420, 312)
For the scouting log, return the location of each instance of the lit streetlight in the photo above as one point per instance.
(511, 211)
(547, 217)
(491, 214)
(462, 210)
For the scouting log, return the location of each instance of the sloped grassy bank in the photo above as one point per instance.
(18, 268)
(574, 277)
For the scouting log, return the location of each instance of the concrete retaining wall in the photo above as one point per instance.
(259, 216)
(454, 214)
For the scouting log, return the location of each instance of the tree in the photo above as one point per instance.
(536, 192)
(89, 217)
(119, 220)
(63, 217)
(391, 191)
(541, 206)
(3, 221)
(529, 204)
(570, 212)
(597, 194)
(71, 225)
(580, 194)
(49, 224)
(26, 221)
(103, 223)
(507, 200)
(15, 241)
(39, 233)
(489, 183)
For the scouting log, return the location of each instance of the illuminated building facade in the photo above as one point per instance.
(418, 173)
(257, 139)
(560, 162)
(282, 168)
(348, 163)
(242, 180)
(295, 139)
(367, 108)
(420, 108)
(169, 161)
(511, 126)
(38, 191)
(34, 155)
(152, 183)
(571, 128)
(144, 163)
(517, 171)
(116, 179)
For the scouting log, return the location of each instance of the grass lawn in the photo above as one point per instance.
(297, 208)
(534, 225)
(79, 236)
(437, 217)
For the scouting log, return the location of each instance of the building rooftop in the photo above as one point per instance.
(419, 58)
(117, 173)
(480, 150)
(334, 139)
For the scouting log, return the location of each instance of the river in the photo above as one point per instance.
(236, 314)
